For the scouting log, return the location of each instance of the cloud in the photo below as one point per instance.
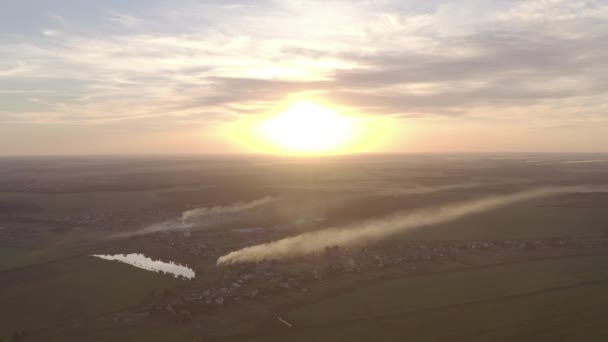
(165, 64)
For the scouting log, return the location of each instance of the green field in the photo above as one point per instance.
(531, 219)
(14, 257)
(545, 300)
(88, 288)
(54, 213)
(571, 314)
(451, 288)
(62, 205)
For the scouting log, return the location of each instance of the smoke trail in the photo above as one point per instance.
(203, 217)
(419, 190)
(584, 161)
(378, 229)
(166, 226)
(200, 213)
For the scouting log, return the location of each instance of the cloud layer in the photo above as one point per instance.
(168, 66)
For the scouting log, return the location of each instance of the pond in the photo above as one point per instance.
(141, 261)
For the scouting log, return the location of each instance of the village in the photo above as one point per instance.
(258, 281)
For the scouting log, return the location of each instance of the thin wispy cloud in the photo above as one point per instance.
(164, 64)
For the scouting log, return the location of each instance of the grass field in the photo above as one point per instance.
(14, 257)
(60, 206)
(451, 288)
(56, 212)
(526, 220)
(88, 287)
(546, 300)
(570, 314)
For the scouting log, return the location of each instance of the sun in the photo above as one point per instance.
(303, 127)
(308, 128)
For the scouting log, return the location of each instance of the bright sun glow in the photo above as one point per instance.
(306, 127)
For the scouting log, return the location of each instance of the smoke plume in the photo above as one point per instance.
(377, 229)
(201, 213)
(200, 218)
(419, 190)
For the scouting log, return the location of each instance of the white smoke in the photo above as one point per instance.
(584, 161)
(205, 217)
(377, 229)
(201, 213)
(419, 190)
(166, 226)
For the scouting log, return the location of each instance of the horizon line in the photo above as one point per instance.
(285, 155)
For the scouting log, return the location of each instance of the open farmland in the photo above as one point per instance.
(538, 300)
(517, 270)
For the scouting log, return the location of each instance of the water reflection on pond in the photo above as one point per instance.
(141, 261)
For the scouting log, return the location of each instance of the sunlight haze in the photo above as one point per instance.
(303, 170)
(99, 77)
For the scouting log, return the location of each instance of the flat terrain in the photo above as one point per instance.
(568, 314)
(72, 290)
(539, 300)
(535, 270)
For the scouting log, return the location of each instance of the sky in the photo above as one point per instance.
(125, 77)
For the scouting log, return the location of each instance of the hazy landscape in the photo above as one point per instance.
(303, 170)
(131, 248)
